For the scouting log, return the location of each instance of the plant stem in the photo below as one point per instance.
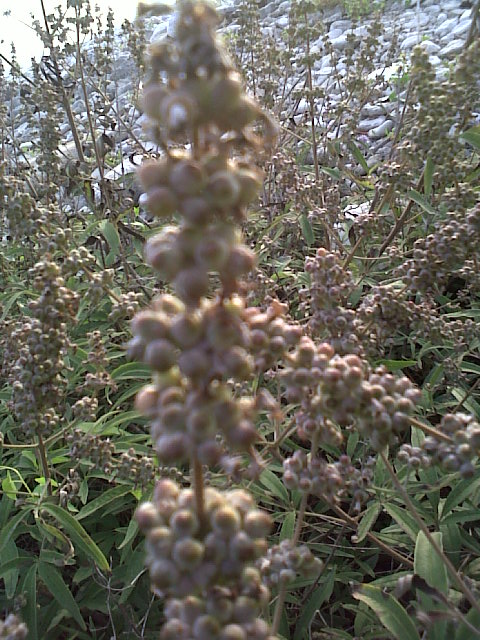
(431, 431)
(43, 457)
(300, 518)
(411, 507)
(198, 487)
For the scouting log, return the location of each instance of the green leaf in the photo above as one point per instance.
(307, 230)
(463, 632)
(403, 518)
(395, 365)
(358, 155)
(463, 490)
(102, 501)
(318, 597)
(59, 590)
(428, 565)
(288, 526)
(428, 176)
(274, 485)
(8, 486)
(10, 577)
(110, 233)
(421, 201)
(389, 611)
(333, 173)
(472, 136)
(366, 523)
(132, 370)
(132, 531)
(78, 535)
(8, 530)
(29, 611)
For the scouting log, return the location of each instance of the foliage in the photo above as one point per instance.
(383, 315)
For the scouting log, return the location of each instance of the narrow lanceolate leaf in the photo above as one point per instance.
(6, 533)
(101, 502)
(79, 537)
(389, 611)
(429, 566)
(421, 201)
(427, 563)
(404, 519)
(368, 520)
(313, 604)
(59, 590)
(472, 136)
(464, 632)
(307, 230)
(29, 611)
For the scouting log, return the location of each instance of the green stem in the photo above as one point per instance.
(43, 457)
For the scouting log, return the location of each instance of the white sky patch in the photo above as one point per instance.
(17, 26)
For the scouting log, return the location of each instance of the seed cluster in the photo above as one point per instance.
(138, 469)
(459, 454)
(286, 562)
(344, 389)
(444, 251)
(12, 629)
(190, 554)
(202, 544)
(42, 338)
(91, 447)
(327, 296)
(330, 480)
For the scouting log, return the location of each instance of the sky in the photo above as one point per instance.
(16, 26)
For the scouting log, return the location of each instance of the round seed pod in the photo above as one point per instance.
(147, 516)
(177, 112)
(161, 202)
(223, 189)
(191, 285)
(153, 96)
(240, 262)
(186, 330)
(226, 521)
(184, 523)
(200, 423)
(187, 178)
(194, 363)
(168, 304)
(241, 115)
(244, 610)
(250, 183)
(153, 173)
(163, 256)
(159, 541)
(196, 210)
(150, 325)
(206, 627)
(216, 162)
(146, 400)
(227, 92)
(171, 447)
(212, 253)
(233, 632)
(160, 355)
(187, 553)
(257, 524)
(175, 629)
(163, 573)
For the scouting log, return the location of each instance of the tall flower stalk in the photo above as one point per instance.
(202, 544)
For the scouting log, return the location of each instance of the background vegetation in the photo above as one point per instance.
(398, 286)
